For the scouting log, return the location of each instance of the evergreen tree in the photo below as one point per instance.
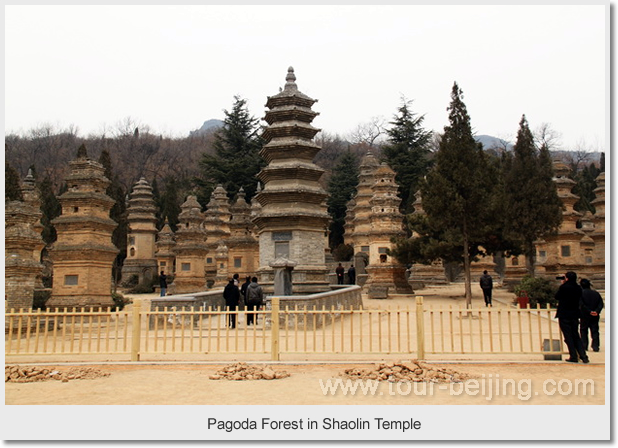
(50, 208)
(118, 213)
(458, 197)
(532, 206)
(584, 188)
(602, 162)
(236, 161)
(407, 152)
(341, 188)
(12, 188)
(169, 204)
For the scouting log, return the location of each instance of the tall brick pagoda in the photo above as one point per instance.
(191, 249)
(83, 254)
(385, 274)
(22, 247)
(292, 222)
(141, 259)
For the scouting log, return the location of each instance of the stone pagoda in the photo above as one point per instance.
(217, 228)
(191, 249)
(358, 216)
(566, 250)
(598, 234)
(242, 243)
(292, 222)
(142, 233)
(385, 274)
(83, 254)
(22, 247)
(425, 274)
(165, 250)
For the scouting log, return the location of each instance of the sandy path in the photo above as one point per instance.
(190, 384)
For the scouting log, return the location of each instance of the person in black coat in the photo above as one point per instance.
(352, 275)
(591, 305)
(486, 284)
(231, 294)
(568, 297)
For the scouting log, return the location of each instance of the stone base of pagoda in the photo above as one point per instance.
(145, 270)
(385, 280)
(305, 280)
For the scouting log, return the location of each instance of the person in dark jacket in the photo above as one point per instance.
(568, 297)
(163, 283)
(352, 275)
(340, 271)
(254, 299)
(591, 305)
(243, 289)
(487, 285)
(231, 294)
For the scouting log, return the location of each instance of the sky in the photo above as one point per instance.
(173, 67)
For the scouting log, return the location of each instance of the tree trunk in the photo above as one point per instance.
(467, 272)
(530, 259)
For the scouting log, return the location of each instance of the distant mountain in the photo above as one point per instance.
(208, 126)
(490, 142)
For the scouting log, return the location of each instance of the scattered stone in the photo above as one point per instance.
(242, 371)
(415, 370)
(17, 374)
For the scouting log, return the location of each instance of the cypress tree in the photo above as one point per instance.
(169, 204)
(118, 213)
(12, 189)
(341, 188)
(50, 208)
(532, 206)
(407, 152)
(457, 193)
(236, 161)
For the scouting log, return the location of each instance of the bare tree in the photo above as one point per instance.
(370, 132)
(548, 137)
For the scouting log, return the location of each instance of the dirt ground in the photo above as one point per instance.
(189, 384)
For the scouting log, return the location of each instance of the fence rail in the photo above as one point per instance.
(141, 333)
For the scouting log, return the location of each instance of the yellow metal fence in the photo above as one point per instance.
(143, 333)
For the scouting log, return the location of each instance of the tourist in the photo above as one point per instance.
(486, 285)
(243, 289)
(340, 271)
(236, 278)
(163, 283)
(352, 275)
(591, 305)
(254, 299)
(568, 297)
(231, 294)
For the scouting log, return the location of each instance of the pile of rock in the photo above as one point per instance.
(18, 374)
(414, 370)
(242, 371)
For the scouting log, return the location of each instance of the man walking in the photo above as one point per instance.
(591, 305)
(568, 297)
(487, 285)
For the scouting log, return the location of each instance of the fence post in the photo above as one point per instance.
(420, 328)
(274, 329)
(137, 330)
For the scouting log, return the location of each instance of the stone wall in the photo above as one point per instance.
(340, 298)
(199, 300)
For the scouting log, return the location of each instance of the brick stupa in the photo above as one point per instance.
(292, 222)
(83, 254)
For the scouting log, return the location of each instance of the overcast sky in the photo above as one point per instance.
(173, 67)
